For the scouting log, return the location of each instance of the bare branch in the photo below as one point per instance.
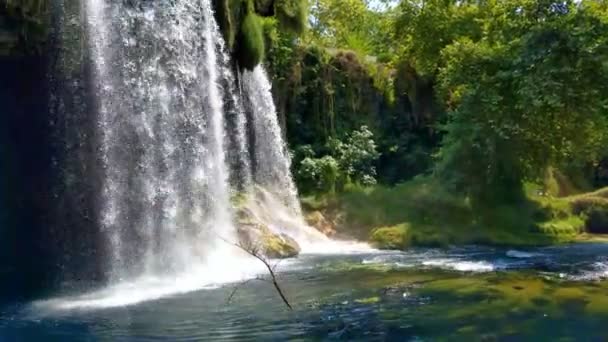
(253, 251)
(237, 287)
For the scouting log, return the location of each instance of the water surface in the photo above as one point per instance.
(466, 293)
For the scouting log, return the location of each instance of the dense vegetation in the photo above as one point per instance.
(448, 121)
(242, 25)
(432, 121)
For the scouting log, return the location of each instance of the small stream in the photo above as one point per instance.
(468, 293)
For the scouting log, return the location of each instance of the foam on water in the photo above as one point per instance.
(597, 271)
(217, 272)
(512, 253)
(464, 266)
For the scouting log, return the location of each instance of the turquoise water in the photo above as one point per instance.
(471, 293)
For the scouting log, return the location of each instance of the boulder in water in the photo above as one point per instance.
(255, 235)
(279, 246)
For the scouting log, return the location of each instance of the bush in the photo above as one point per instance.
(320, 174)
(396, 237)
(346, 162)
(357, 156)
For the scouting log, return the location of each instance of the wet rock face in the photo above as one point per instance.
(318, 221)
(256, 236)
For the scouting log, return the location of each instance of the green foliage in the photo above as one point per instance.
(244, 22)
(225, 20)
(320, 174)
(519, 105)
(357, 156)
(440, 22)
(291, 14)
(347, 162)
(352, 25)
(501, 93)
(250, 41)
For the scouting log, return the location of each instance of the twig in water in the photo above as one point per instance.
(254, 253)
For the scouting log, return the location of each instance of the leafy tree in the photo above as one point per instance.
(352, 24)
(520, 105)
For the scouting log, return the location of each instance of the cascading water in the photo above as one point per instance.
(165, 194)
(158, 75)
(271, 160)
(274, 198)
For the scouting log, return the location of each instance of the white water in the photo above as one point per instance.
(165, 200)
(271, 160)
(165, 211)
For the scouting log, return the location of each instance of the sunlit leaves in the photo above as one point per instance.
(522, 104)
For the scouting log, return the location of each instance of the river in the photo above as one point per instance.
(467, 293)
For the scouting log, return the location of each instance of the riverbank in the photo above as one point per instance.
(420, 213)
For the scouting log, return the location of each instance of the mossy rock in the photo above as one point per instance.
(279, 246)
(404, 235)
(255, 235)
(271, 245)
(395, 237)
(318, 221)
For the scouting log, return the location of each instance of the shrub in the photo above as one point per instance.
(357, 156)
(320, 174)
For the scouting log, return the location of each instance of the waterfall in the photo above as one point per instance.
(156, 137)
(165, 199)
(275, 197)
(271, 159)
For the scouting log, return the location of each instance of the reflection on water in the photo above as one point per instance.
(422, 294)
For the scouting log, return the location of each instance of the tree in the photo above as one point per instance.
(519, 105)
(352, 24)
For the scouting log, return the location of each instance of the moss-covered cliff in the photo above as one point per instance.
(242, 21)
(326, 93)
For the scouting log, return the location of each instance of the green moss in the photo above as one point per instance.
(292, 14)
(250, 41)
(224, 18)
(397, 237)
(278, 247)
(241, 24)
